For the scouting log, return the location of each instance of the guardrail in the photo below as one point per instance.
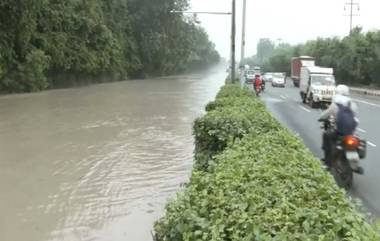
(364, 91)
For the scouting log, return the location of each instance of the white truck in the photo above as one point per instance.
(317, 85)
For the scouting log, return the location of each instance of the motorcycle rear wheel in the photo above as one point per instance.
(342, 171)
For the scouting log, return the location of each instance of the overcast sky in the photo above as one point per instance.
(292, 21)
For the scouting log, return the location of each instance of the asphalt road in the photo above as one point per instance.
(285, 104)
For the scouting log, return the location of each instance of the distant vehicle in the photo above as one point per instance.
(297, 64)
(267, 77)
(257, 69)
(317, 85)
(278, 79)
(250, 76)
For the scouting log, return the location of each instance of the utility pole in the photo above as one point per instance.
(242, 56)
(351, 5)
(233, 37)
(243, 31)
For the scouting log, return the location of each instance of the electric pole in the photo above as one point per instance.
(242, 55)
(233, 36)
(243, 31)
(351, 5)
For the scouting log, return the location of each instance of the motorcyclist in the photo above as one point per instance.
(341, 100)
(257, 82)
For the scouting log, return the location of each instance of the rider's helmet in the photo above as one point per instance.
(342, 90)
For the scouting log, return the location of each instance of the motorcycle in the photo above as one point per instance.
(263, 86)
(345, 156)
(257, 89)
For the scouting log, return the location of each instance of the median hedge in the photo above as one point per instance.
(262, 185)
(233, 114)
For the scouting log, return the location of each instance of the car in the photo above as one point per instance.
(249, 76)
(267, 77)
(278, 80)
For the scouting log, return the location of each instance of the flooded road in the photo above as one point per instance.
(100, 162)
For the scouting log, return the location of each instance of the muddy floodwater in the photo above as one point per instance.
(98, 162)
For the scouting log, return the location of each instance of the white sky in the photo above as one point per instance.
(293, 21)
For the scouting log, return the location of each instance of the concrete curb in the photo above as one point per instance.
(363, 91)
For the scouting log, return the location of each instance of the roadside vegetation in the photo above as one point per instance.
(254, 180)
(355, 58)
(49, 43)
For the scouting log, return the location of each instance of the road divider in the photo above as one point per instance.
(364, 91)
(255, 180)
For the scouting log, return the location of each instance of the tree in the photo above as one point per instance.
(355, 58)
(265, 49)
(46, 42)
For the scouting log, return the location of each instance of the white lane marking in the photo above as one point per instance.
(371, 144)
(283, 97)
(361, 130)
(366, 102)
(295, 99)
(305, 109)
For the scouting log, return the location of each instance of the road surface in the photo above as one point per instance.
(286, 106)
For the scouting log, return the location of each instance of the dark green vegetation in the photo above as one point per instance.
(355, 59)
(49, 43)
(256, 181)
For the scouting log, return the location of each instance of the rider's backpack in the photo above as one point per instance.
(345, 123)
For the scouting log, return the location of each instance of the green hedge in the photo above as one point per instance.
(232, 90)
(265, 186)
(233, 114)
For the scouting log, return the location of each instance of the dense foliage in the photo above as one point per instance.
(355, 58)
(49, 42)
(221, 126)
(264, 185)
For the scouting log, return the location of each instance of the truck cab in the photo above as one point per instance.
(317, 85)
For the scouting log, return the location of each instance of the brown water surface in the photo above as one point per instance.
(99, 162)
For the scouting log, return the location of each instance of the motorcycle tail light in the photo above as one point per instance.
(351, 142)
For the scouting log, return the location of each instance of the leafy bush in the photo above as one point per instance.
(257, 193)
(267, 186)
(233, 90)
(234, 102)
(229, 119)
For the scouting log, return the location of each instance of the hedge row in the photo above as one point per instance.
(233, 114)
(262, 184)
